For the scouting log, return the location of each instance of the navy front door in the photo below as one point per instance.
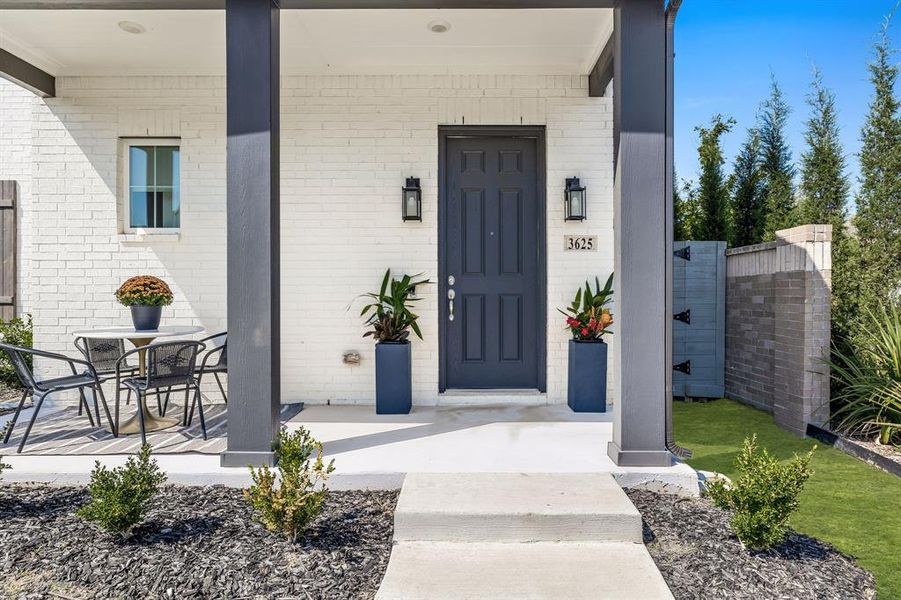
(492, 281)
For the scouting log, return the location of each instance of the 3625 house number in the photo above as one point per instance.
(585, 243)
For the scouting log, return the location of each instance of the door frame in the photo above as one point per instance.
(536, 132)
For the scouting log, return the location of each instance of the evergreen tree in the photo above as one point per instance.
(686, 212)
(824, 184)
(748, 202)
(878, 219)
(824, 198)
(713, 192)
(776, 163)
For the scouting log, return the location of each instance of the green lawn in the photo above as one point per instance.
(846, 502)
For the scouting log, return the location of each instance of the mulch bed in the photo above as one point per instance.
(196, 542)
(893, 453)
(700, 557)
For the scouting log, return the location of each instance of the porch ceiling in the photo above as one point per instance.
(548, 41)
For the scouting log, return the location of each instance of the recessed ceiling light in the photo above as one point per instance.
(439, 26)
(131, 27)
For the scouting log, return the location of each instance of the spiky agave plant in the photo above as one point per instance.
(389, 313)
(869, 378)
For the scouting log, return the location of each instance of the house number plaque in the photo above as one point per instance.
(582, 243)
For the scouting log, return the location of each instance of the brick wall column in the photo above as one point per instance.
(778, 325)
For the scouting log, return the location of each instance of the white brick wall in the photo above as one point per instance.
(16, 106)
(348, 142)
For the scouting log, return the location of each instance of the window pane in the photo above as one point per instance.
(140, 209)
(140, 161)
(166, 166)
(168, 209)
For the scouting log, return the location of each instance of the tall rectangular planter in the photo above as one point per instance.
(587, 388)
(393, 378)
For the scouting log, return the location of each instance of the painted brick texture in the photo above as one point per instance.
(778, 298)
(348, 143)
(16, 106)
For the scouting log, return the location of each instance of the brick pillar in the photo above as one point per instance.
(802, 293)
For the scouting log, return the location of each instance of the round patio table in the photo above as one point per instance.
(139, 339)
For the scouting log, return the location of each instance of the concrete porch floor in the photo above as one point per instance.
(375, 451)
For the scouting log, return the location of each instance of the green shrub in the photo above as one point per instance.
(868, 378)
(119, 496)
(17, 332)
(286, 502)
(764, 495)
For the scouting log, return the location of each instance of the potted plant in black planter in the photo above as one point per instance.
(391, 321)
(589, 320)
(146, 296)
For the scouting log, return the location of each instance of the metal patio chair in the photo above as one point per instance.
(40, 389)
(215, 361)
(169, 366)
(103, 353)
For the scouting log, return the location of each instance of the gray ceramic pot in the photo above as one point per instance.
(146, 318)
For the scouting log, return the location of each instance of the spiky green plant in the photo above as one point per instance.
(389, 313)
(588, 317)
(869, 378)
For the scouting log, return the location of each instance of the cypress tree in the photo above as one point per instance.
(824, 197)
(713, 192)
(686, 212)
(824, 184)
(776, 163)
(878, 219)
(748, 202)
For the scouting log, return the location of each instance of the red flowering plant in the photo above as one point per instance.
(588, 318)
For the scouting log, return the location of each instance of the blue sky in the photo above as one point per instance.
(727, 49)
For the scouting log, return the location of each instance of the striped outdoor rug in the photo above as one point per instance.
(65, 432)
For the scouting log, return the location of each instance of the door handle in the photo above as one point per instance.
(451, 294)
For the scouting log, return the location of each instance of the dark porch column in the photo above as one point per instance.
(641, 252)
(252, 68)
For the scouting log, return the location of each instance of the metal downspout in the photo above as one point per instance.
(672, 10)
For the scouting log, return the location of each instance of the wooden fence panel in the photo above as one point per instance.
(9, 196)
(699, 329)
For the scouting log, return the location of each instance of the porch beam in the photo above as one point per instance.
(27, 75)
(602, 73)
(301, 4)
(640, 247)
(252, 199)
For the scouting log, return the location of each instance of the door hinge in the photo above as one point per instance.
(684, 253)
(684, 316)
(683, 367)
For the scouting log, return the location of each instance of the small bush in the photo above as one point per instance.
(17, 332)
(286, 502)
(764, 495)
(119, 496)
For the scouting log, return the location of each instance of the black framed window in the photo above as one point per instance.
(154, 195)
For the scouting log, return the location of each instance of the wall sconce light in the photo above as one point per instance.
(574, 200)
(411, 205)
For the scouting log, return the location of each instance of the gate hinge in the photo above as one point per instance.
(684, 316)
(683, 367)
(684, 253)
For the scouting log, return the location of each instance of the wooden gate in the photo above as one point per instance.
(9, 195)
(699, 326)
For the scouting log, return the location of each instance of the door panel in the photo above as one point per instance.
(491, 249)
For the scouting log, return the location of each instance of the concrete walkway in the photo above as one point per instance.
(518, 535)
